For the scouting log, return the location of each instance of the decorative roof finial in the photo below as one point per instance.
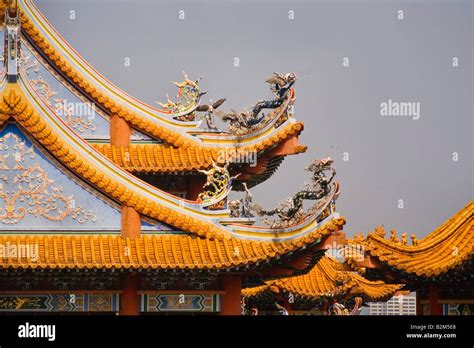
(12, 51)
(218, 182)
(209, 109)
(404, 239)
(393, 236)
(242, 207)
(321, 189)
(380, 231)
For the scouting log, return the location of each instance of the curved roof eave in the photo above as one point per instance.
(139, 115)
(446, 248)
(21, 102)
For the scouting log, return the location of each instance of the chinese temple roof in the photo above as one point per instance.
(160, 158)
(187, 147)
(155, 122)
(150, 251)
(79, 157)
(199, 233)
(447, 248)
(326, 279)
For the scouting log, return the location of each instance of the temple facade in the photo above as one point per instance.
(110, 205)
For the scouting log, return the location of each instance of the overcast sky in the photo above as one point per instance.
(410, 173)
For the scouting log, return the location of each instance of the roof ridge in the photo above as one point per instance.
(463, 216)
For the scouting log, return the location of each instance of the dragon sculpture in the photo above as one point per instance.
(218, 182)
(247, 121)
(290, 211)
(280, 85)
(242, 122)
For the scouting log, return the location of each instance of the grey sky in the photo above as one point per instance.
(409, 60)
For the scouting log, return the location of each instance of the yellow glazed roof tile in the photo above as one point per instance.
(165, 158)
(147, 251)
(327, 278)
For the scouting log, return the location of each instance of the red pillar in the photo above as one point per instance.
(131, 223)
(120, 132)
(130, 300)
(230, 301)
(435, 307)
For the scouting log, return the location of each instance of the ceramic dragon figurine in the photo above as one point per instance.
(291, 210)
(280, 85)
(246, 121)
